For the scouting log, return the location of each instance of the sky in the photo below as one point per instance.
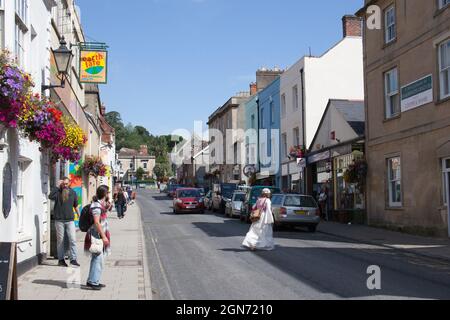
(173, 62)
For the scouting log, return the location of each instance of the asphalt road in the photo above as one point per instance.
(199, 257)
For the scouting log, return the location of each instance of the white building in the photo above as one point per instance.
(25, 32)
(306, 88)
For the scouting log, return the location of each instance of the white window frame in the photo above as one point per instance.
(444, 71)
(19, 45)
(21, 198)
(443, 3)
(284, 151)
(283, 106)
(2, 25)
(445, 180)
(390, 25)
(21, 9)
(296, 137)
(392, 202)
(295, 97)
(389, 110)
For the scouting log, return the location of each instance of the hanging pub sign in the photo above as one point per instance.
(93, 63)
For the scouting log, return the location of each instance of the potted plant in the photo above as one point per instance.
(356, 174)
(94, 166)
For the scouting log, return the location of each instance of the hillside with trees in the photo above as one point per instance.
(130, 136)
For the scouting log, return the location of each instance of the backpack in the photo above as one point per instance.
(86, 219)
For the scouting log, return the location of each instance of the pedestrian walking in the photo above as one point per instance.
(260, 235)
(129, 193)
(120, 202)
(98, 239)
(66, 205)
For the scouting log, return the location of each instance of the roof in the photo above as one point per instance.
(353, 112)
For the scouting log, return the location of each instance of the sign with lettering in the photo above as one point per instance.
(417, 94)
(93, 66)
(8, 283)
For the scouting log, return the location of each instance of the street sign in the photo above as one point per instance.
(8, 277)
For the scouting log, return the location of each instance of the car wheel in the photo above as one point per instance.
(312, 229)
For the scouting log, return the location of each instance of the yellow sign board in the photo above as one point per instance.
(93, 66)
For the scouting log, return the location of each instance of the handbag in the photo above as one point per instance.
(256, 214)
(96, 246)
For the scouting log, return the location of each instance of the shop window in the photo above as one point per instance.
(394, 181)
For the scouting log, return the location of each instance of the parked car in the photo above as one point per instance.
(188, 200)
(250, 200)
(172, 189)
(208, 200)
(234, 207)
(142, 186)
(222, 195)
(296, 211)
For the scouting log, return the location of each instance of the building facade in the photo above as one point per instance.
(130, 161)
(306, 88)
(407, 76)
(25, 34)
(269, 135)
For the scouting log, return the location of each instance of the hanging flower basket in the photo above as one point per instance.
(356, 174)
(297, 152)
(94, 166)
(70, 147)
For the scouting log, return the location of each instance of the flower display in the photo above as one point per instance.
(94, 166)
(75, 137)
(297, 152)
(357, 173)
(15, 86)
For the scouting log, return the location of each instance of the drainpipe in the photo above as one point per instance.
(303, 125)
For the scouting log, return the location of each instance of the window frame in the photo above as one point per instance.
(272, 112)
(387, 26)
(390, 180)
(295, 100)
(442, 5)
(283, 106)
(296, 136)
(2, 25)
(445, 182)
(388, 109)
(442, 94)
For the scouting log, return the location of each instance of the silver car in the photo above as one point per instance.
(234, 207)
(295, 210)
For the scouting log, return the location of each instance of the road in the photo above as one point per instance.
(199, 257)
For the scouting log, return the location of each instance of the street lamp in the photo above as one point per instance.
(63, 59)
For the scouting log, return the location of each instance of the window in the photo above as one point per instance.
(390, 24)
(283, 145)
(145, 165)
(272, 113)
(443, 3)
(19, 45)
(253, 121)
(392, 93)
(295, 97)
(262, 118)
(131, 165)
(444, 68)
(283, 106)
(297, 137)
(2, 26)
(445, 179)
(394, 180)
(22, 10)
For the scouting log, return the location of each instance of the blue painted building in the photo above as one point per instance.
(269, 139)
(251, 129)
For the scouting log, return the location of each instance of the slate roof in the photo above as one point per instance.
(353, 112)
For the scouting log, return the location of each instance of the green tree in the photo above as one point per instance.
(140, 174)
(163, 170)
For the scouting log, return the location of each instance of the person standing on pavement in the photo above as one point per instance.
(99, 230)
(323, 198)
(260, 235)
(120, 201)
(66, 205)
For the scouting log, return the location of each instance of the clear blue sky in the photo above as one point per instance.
(176, 61)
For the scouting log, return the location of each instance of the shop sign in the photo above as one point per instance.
(318, 157)
(417, 94)
(93, 66)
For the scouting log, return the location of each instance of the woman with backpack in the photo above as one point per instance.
(98, 238)
(120, 201)
(260, 235)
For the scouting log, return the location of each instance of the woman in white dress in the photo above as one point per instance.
(260, 236)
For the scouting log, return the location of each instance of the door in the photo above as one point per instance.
(447, 183)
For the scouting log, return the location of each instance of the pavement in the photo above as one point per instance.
(199, 257)
(126, 273)
(418, 245)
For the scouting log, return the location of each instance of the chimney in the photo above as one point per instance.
(253, 88)
(103, 110)
(352, 26)
(265, 76)
(143, 150)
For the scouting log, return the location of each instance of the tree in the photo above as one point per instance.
(162, 170)
(140, 174)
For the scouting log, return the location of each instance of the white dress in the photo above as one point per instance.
(260, 235)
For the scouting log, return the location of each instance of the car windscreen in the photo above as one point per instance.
(239, 197)
(300, 201)
(188, 194)
(277, 200)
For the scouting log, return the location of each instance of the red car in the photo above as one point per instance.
(188, 200)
